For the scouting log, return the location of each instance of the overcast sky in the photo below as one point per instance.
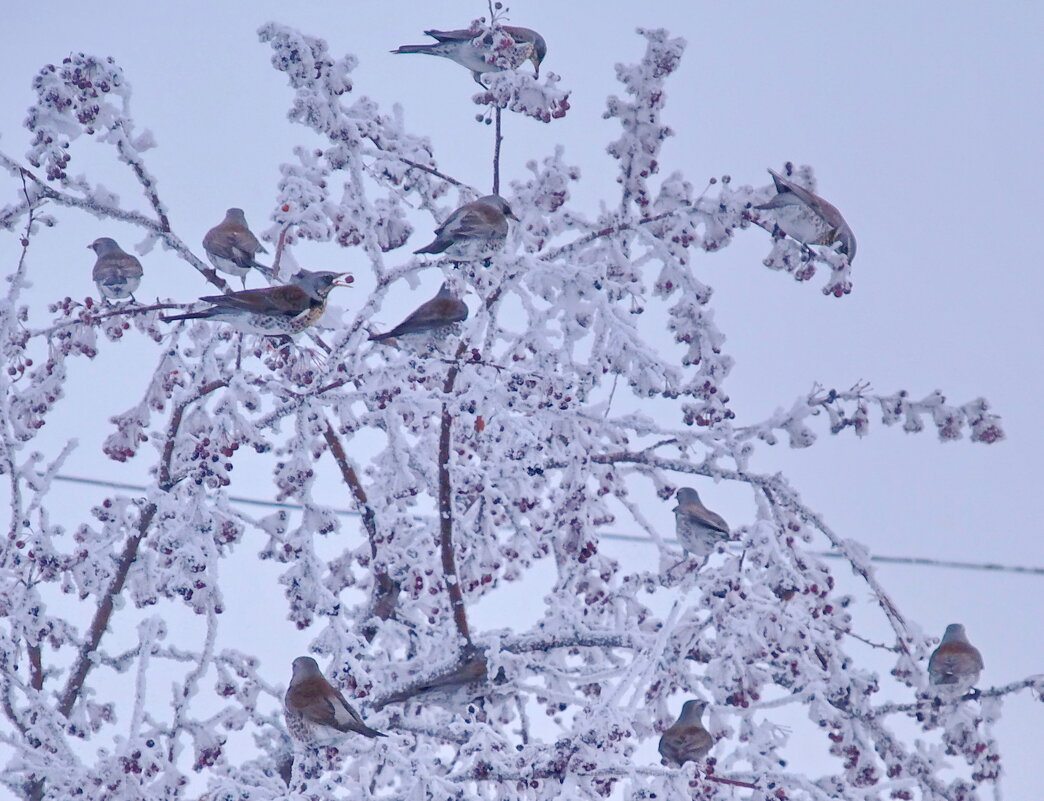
(923, 123)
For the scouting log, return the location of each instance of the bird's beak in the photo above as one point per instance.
(511, 216)
(344, 280)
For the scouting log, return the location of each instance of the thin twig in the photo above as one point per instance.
(431, 171)
(497, 141)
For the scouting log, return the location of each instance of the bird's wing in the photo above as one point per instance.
(345, 716)
(459, 35)
(435, 312)
(473, 221)
(123, 263)
(289, 300)
(244, 240)
(687, 742)
(702, 516)
(236, 244)
(814, 202)
(715, 520)
(955, 657)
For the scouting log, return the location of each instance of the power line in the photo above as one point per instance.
(890, 560)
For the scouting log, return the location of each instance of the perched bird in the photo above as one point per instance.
(311, 704)
(477, 49)
(686, 740)
(231, 246)
(436, 314)
(699, 529)
(116, 273)
(468, 676)
(273, 310)
(473, 229)
(808, 218)
(956, 663)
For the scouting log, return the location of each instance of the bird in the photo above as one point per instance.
(231, 246)
(433, 315)
(686, 740)
(956, 663)
(808, 218)
(274, 310)
(116, 272)
(699, 529)
(477, 49)
(312, 704)
(473, 229)
(469, 676)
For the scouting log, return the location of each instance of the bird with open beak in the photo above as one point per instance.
(274, 310)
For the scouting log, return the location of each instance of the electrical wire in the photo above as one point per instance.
(890, 560)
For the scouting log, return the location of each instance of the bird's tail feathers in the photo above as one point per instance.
(435, 247)
(366, 731)
(171, 318)
(421, 48)
(264, 269)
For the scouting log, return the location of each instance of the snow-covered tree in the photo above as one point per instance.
(588, 382)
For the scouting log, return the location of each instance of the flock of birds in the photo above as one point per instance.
(313, 706)
(473, 231)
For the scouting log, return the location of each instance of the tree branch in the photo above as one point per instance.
(385, 590)
(160, 230)
(84, 659)
(101, 617)
(449, 562)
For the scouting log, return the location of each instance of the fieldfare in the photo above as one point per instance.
(699, 529)
(435, 315)
(313, 705)
(274, 310)
(473, 230)
(231, 246)
(686, 740)
(477, 49)
(116, 273)
(956, 663)
(806, 217)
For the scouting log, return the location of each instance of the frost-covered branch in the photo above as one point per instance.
(100, 622)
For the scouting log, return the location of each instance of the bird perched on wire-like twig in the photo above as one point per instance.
(274, 310)
(686, 740)
(473, 230)
(956, 664)
(232, 247)
(477, 49)
(803, 215)
(433, 315)
(116, 272)
(312, 704)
